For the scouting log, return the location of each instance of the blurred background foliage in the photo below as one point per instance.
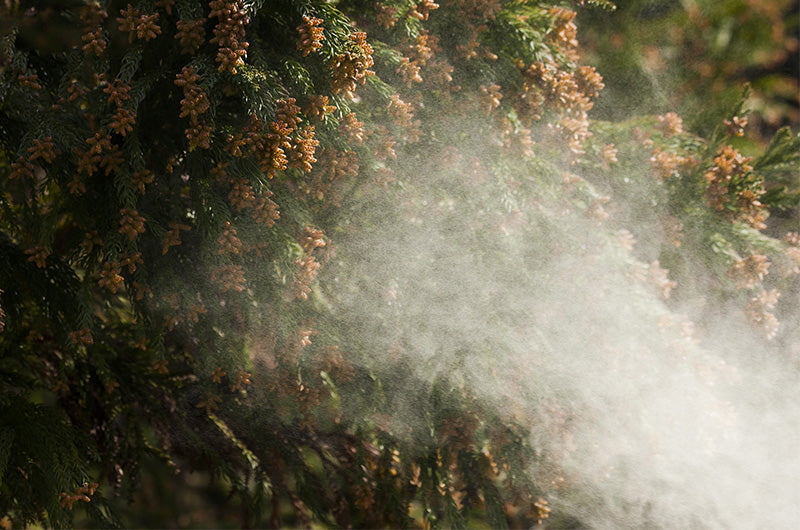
(694, 56)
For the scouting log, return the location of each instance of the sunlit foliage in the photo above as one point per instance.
(176, 177)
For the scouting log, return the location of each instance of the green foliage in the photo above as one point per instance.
(693, 57)
(197, 199)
